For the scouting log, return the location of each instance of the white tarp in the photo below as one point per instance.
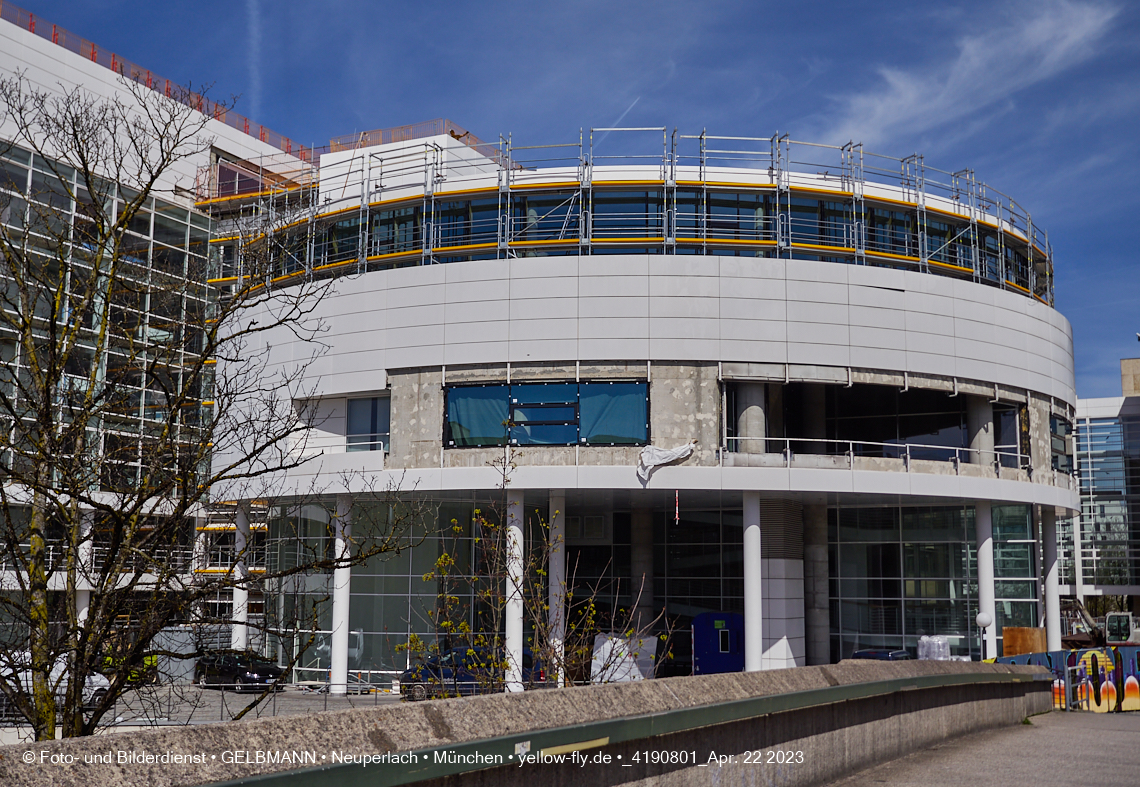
(621, 660)
(653, 457)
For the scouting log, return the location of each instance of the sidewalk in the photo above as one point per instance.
(1056, 750)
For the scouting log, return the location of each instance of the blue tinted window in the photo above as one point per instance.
(368, 424)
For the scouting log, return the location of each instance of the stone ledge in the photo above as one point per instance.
(440, 723)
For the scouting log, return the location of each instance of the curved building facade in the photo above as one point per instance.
(856, 359)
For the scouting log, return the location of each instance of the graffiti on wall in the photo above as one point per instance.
(1107, 679)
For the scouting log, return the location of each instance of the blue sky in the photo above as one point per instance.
(1041, 99)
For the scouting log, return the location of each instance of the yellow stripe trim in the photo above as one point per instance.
(566, 748)
(249, 195)
(725, 183)
(817, 246)
(557, 184)
(626, 240)
(890, 256)
(809, 190)
(480, 190)
(628, 183)
(388, 256)
(951, 267)
(568, 242)
(727, 241)
(464, 248)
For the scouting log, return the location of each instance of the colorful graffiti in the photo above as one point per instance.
(1106, 680)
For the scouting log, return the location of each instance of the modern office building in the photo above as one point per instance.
(821, 387)
(159, 295)
(856, 359)
(1102, 547)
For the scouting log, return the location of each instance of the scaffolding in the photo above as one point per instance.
(432, 193)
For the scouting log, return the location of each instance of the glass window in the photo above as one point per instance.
(1013, 560)
(1012, 523)
(933, 524)
(868, 524)
(369, 423)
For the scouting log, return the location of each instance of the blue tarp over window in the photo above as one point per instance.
(477, 415)
(549, 414)
(613, 413)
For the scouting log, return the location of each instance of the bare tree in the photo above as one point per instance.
(131, 391)
(471, 576)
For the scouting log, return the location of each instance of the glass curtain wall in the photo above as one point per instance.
(897, 574)
(1108, 454)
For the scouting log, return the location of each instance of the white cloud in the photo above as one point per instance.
(1028, 46)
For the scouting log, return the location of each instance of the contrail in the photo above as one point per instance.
(617, 122)
(253, 57)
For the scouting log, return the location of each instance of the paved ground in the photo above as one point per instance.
(1055, 750)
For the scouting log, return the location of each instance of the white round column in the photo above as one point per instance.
(514, 591)
(239, 629)
(984, 533)
(341, 597)
(556, 571)
(753, 594)
(86, 560)
(1052, 579)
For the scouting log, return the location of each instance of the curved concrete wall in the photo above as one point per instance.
(650, 307)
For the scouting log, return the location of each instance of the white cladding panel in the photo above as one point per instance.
(47, 66)
(665, 308)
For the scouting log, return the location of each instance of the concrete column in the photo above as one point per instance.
(239, 631)
(815, 417)
(341, 597)
(751, 423)
(641, 565)
(557, 574)
(86, 559)
(980, 428)
(753, 592)
(513, 613)
(1051, 570)
(817, 607)
(984, 531)
(1078, 558)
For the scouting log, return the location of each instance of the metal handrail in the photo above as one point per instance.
(902, 450)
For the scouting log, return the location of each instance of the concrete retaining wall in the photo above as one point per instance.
(834, 738)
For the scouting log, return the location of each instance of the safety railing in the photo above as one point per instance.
(167, 560)
(814, 201)
(788, 448)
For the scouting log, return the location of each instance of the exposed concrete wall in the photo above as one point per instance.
(684, 405)
(417, 418)
(835, 739)
(1130, 376)
(1040, 442)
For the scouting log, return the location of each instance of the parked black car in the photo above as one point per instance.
(239, 671)
(463, 671)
